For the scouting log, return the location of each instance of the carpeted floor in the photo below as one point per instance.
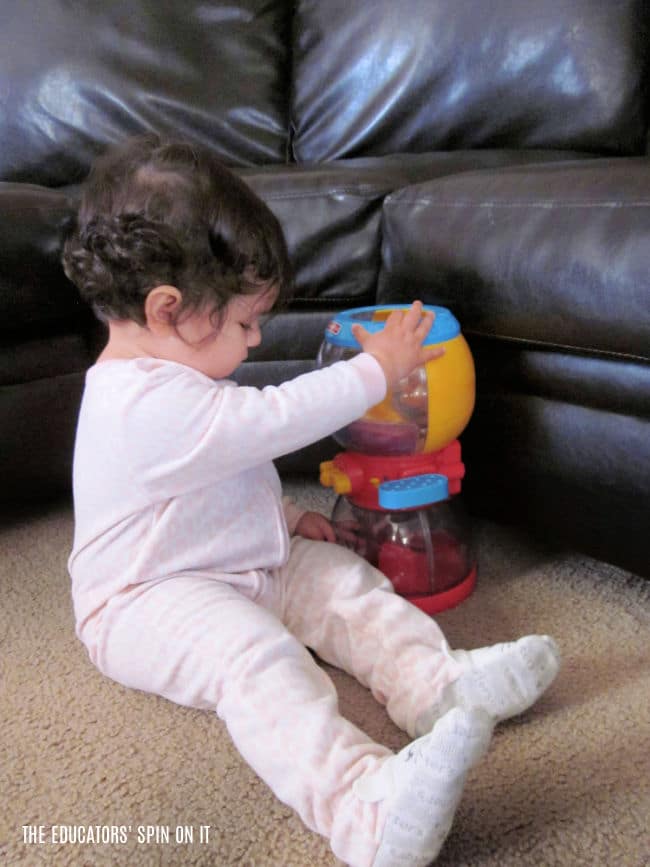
(567, 784)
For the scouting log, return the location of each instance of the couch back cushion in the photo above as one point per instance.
(75, 77)
(418, 75)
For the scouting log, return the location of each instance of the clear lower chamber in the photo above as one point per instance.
(426, 553)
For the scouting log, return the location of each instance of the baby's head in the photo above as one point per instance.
(157, 212)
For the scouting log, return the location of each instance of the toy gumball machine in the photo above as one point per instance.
(401, 470)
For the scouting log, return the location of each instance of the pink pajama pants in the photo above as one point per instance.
(236, 644)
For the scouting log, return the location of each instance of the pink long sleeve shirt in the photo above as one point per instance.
(173, 471)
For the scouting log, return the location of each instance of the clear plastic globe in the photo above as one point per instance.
(427, 409)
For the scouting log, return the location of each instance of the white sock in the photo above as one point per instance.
(423, 784)
(503, 679)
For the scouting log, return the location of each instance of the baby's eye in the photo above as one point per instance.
(255, 325)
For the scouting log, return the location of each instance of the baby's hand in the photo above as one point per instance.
(398, 346)
(314, 526)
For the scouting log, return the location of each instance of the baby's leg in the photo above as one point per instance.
(345, 610)
(202, 643)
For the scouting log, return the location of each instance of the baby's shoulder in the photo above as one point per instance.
(148, 374)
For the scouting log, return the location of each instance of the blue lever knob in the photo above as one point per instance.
(413, 492)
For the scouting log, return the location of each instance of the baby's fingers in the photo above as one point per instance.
(417, 322)
(405, 320)
(360, 333)
(425, 324)
(430, 353)
(413, 314)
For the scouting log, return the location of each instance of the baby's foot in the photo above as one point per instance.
(503, 679)
(422, 786)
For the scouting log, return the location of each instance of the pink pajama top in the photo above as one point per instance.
(173, 471)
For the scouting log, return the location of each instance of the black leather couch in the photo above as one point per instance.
(491, 157)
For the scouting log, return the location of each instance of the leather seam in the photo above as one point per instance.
(446, 203)
(348, 191)
(563, 347)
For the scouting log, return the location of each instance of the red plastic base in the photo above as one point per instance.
(365, 472)
(434, 603)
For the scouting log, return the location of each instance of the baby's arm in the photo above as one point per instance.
(199, 432)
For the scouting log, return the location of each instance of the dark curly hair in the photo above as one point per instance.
(157, 212)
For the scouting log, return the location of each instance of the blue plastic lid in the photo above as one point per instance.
(339, 329)
(413, 492)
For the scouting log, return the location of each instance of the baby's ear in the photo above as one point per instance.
(161, 308)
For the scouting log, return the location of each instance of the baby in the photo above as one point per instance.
(193, 579)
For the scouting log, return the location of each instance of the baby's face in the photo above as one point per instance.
(217, 352)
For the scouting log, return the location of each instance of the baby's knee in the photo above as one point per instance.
(337, 567)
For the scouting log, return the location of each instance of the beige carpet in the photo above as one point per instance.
(566, 784)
